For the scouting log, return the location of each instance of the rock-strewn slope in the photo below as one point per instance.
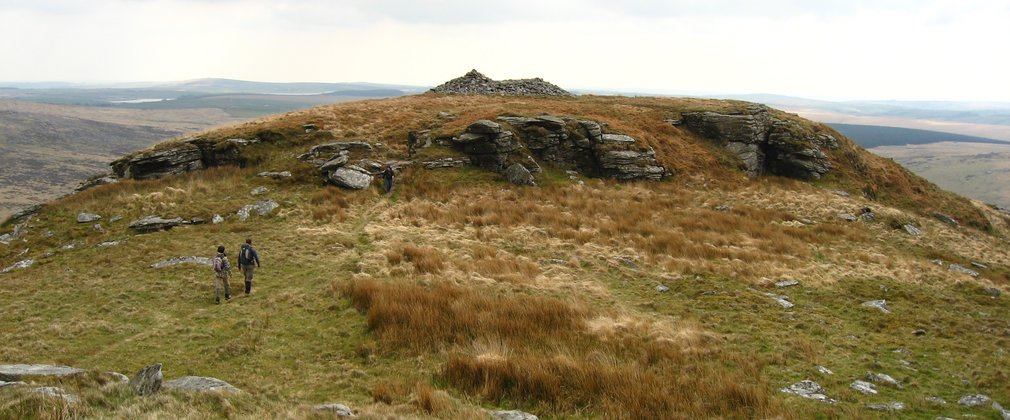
(474, 83)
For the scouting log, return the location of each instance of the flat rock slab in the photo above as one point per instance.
(51, 391)
(275, 175)
(16, 372)
(20, 265)
(809, 389)
(88, 217)
(200, 384)
(879, 304)
(864, 387)
(787, 283)
(183, 260)
(154, 224)
(512, 415)
(261, 208)
(339, 409)
(959, 269)
(891, 406)
(974, 400)
(882, 378)
(781, 300)
(5, 384)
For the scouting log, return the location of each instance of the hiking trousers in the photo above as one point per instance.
(219, 280)
(247, 269)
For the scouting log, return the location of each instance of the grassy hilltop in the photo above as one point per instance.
(460, 293)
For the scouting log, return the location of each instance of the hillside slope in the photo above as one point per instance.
(460, 293)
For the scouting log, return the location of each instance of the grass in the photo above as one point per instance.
(460, 294)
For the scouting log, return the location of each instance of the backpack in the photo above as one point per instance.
(218, 265)
(246, 256)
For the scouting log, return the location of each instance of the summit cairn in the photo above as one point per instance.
(474, 83)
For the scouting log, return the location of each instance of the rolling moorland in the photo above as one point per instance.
(52, 137)
(703, 294)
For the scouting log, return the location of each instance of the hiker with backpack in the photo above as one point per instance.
(387, 177)
(222, 273)
(247, 256)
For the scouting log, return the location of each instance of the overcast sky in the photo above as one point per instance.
(828, 49)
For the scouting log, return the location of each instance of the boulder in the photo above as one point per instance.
(183, 260)
(864, 387)
(882, 378)
(879, 304)
(781, 300)
(120, 377)
(484, 127)
(891, 406)
(936, 400)
(786, 283)
(350, 177)
(108, 244)
(20, 265)
(87, 217)
(946, 219)
(662, 288)
(808, 389)
(339, 410)
(259, 190)
(147, 380)
(848, 217)
(261, 208)
(824, 371)
(17, 372)
(322, 153)
(959, 269)
(518, 175)
(52, 391)
(337, 161)
(154, 223)
(974, 400)
(200, 384)
(912, 230)
(217, 219)
(512, 415)
(275, 175)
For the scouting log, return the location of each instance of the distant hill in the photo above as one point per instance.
(870, 136)
(298, 88)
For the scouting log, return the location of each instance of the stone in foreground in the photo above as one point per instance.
(512, 415)
(147, 381)
(809, 389)
(200, 384)
(51, 391)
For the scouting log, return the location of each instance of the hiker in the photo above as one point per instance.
(411, 143)
(222, 272)
(387, 176)
(247, 256)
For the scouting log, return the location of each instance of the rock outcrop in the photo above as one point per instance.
(765, 143)
(176, 158)
(200, 384)
(474, 83)
(334, 162)
(154, 224)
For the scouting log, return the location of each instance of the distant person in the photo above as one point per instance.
(411, 143)
(222, 273)
(247, 257)
(387, 176)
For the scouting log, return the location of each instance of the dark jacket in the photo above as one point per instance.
(248, 257)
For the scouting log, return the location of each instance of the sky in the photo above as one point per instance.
(827, 49)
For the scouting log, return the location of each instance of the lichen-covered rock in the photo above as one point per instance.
(350, 177)
(20, 265)
(147, 380)
(261, 208)
(154, 223)
(518, 175)
(200, 384)
(809, 389)
(765, 143)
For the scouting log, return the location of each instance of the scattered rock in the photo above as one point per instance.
(339, 410)
(786, 283)
(518, 175)
(824, 371)
(912, 230)
(867, 215)
(992, 291)
(17, 372)
(275, 175)
(723, 208)
(936, 400)
(309, 127)
(24, 214)
(154, 224)
(259, 190)
(808, 389)
(20, 265)
(974, 400)
(108, 244)
(51, 391)
(120, 377)
(217, 219)
(883, 379)
(474, 83)
(4, 384)
(662, 289)
(98, 227)
(781, 300)
(147, 381)
(1005, 414)
(879, 304)
(864, 387)
(446, 163)
(262, 208)
(115, 219)
(919, 332)
(96, 181)
(891, 406)
(937, 262)
(200, 384)
(946, 219)
(848, 217)
(350, 177)
(959, 269)
(88, 217)
(979, 265)
(183, 260)
(512, 415)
